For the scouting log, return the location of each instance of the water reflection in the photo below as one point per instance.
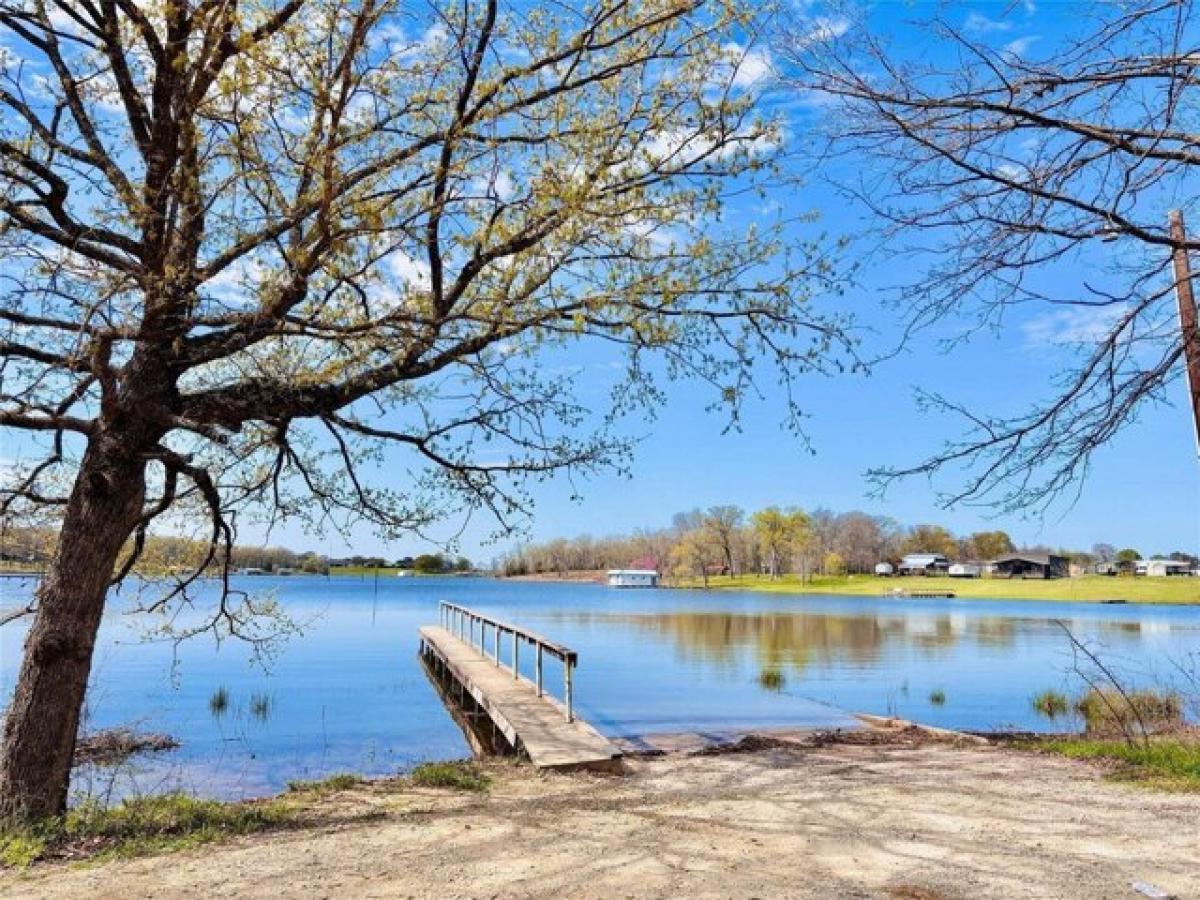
(798, 640)
(350, 694)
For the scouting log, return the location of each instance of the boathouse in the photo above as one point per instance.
(633, 578)
(1031, 565)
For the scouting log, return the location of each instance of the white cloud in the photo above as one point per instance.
(749, 67)
(413, 273)
(979, 24)
(1020, 46)
(1071, 325)
(820, 29)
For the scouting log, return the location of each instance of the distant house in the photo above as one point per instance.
(1161, 568)
(1031, 565)
(924, 564)
(885, 569)
(965, 570)
(632, 578)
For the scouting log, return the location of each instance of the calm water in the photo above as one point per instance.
(349, 693)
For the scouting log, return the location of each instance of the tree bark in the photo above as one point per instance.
(42, 721)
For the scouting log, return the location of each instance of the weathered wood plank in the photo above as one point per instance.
(537, 724)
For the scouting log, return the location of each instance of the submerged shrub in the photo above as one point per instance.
(937, 697)
(218, 703)
(260, 706)
(1107, 711)
(1051, 704)
(771, 679)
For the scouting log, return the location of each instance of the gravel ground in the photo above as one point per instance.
(900, 818)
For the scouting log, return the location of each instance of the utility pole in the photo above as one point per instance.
(1188, 326)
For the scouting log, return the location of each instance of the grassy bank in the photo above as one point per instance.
(171, 822)
(1168, 763)
(1086, 588)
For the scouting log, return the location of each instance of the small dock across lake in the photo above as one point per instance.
(920, 594)
(489, 689)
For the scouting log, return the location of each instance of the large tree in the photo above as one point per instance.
(250, 243)
(1014, 174)
(723, 524)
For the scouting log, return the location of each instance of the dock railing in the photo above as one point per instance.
(464, 623)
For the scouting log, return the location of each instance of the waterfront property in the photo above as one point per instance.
(885, 569)
(1032, 565)
(924, 564)
(633, 578)
(1162, 568)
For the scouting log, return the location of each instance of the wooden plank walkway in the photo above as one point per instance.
(538, 725)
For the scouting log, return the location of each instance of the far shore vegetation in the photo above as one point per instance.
(1081, 588)
(794, 551)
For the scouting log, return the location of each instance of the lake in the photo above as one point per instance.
(349, 693)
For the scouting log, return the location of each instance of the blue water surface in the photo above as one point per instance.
(348, 694)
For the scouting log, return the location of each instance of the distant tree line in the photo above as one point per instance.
(726, 541)
(30, 546)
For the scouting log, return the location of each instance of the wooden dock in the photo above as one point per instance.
(490, 687)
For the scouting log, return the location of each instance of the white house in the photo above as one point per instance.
(885, 569)
(1160, 568)
(632, 578)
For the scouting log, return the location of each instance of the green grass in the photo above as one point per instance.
(1051, 704)
(460, 776)
(334, 783)
(139, 826)
(937, 697)
(1086, 588)
(1167, 763)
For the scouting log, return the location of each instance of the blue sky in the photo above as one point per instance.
(1144, 490)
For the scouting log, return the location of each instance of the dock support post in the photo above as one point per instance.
(496, 645)
(537, 669)
(567, 667)
(516, 659)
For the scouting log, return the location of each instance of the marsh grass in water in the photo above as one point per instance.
(1052, 704)
(140, 826)
(218, 703)
(459, 775)
(771, 680)
(260, 706)
(937, 697)
(1108, 712)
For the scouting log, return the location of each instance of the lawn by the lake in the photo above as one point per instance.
(1086, 588)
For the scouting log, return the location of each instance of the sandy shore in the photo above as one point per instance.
(904, 819)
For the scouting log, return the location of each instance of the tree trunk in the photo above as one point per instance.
(42, 721)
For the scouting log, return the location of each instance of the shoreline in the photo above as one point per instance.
(1178, 591)
(871, 813)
